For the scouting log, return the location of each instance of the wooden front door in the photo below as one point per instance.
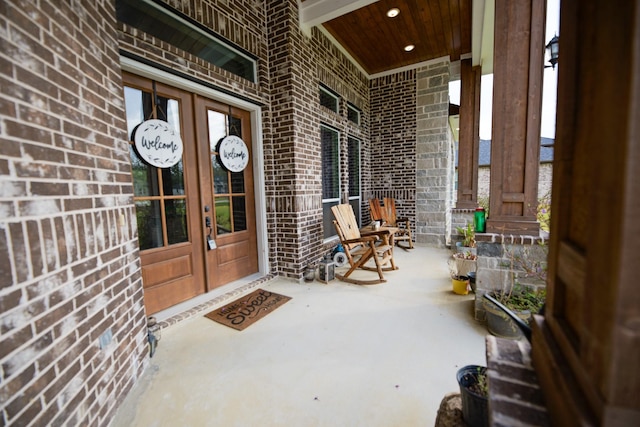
(227, 197)
(181, 209)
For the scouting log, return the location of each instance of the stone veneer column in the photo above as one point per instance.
(434, 155)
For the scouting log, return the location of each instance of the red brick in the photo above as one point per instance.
(19, 247)
(62, 379)
(24, 131)
(43, 153)
(33, 407)
(14, 363)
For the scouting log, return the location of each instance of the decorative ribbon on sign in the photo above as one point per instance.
(156, 141)
(233, 152)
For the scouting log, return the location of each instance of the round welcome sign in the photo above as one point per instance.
(234, 154)
(158, 143)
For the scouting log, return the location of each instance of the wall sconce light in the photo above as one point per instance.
(552, 51)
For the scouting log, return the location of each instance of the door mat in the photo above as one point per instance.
(247, 310)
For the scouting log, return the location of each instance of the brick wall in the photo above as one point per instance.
(69, 266)
(299, 64)
(393, 130)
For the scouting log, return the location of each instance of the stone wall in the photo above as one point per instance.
(545, 178)
(434, 153)
(69, 264)
(505, 260)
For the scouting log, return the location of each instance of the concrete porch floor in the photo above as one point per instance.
(336, 354)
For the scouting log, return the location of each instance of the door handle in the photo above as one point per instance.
(207, 221)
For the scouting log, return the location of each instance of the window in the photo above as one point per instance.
(189, 36)
(354, 177)
(329, 99)
(330, 177)
(353, 114)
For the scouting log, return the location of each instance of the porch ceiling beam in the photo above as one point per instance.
(316, 12)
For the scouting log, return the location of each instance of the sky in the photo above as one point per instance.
(549, 88)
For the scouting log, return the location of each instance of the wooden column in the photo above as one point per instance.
(586, 349)
(469, 135)
(517, 102)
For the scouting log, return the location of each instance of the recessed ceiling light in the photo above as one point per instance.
(409, 47)
(392, 13)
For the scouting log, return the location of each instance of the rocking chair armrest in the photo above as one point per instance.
(361, 239)
(379, 233)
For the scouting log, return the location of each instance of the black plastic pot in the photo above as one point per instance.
(474, 406)
(472, 280)
(505, 323)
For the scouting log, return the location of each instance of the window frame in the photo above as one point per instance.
(356, 110)
(181, 21)
(326, 91)
(357, 197)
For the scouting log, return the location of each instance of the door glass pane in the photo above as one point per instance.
(173, 113)
(176, 211)
(239, 214)
(145, 176)
(173, 180)
(138, 106)
(148, 213)
(223, 215)
(220, 176)
(217, 128)
(235, 127)
(237, 182)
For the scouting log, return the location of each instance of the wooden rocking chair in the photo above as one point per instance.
(361, 248)
(387, 214)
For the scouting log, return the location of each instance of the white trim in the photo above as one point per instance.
(410, 67)
(343, 50)
(255, 112)
(315, 12)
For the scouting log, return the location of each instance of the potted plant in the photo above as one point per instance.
(474, 392)
(521, 298)
(468, 243)
(460, 265)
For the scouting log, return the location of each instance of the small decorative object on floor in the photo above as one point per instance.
(309, 273)
(326, 270)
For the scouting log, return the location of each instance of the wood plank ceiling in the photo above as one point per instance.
(436, 28)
